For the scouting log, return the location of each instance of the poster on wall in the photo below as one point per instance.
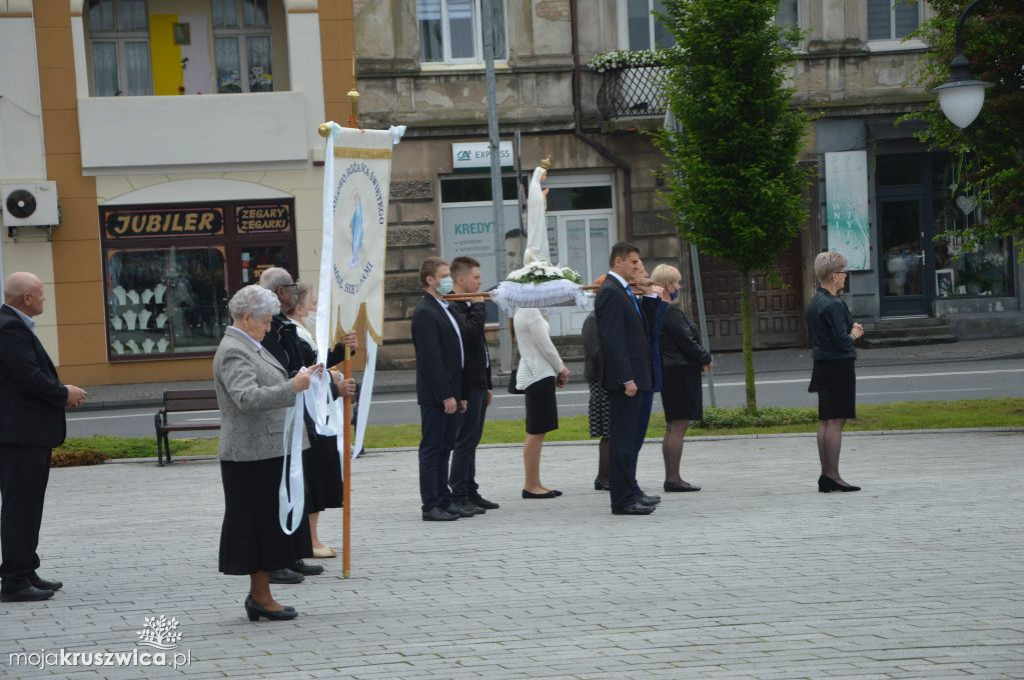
(846, 192)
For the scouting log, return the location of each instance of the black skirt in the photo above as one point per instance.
(321, 467)
(541, 407)
(251, 538)
(836, 385)
(682, 395)
(599, 411)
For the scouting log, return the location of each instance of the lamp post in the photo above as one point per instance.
(962, 95)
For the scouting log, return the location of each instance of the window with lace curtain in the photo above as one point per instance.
(119, 47)
(242, 46)
(642, 27)
(451, 30)
(893, 19)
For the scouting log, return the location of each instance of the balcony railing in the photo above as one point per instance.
(632, 92)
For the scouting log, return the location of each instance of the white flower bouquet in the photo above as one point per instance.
(540, 272)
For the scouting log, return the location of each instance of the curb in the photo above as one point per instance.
(502, 381)
(649, 440)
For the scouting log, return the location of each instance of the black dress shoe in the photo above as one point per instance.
(676, 486)
(481, 502)
(548, 494)
(438, 515)
(286, 576)
(26, 594)
(255, 611)
(455, 509)
(601, 485)
(828, 485)
(43, 584)
(650, 501)
(634, 509)
(307, 569)
(469, 506)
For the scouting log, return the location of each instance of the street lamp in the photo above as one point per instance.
(962, 96)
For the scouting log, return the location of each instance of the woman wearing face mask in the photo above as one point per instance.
(683, 359)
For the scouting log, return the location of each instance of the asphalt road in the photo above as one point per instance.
(878, 385)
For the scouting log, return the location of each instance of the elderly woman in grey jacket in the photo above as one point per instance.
(253, 393)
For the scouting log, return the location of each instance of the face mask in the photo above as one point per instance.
(674, 295)
(445, 285)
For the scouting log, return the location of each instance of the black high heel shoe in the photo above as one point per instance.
(255, 611)
(827, 485)
(601, 485)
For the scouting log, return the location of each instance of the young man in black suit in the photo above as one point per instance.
(477, 388)
(31, 424)
(440, 357)
(626, 373)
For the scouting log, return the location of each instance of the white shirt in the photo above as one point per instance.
(455, 325)
(538, 358)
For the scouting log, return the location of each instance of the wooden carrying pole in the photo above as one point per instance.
(346, 425)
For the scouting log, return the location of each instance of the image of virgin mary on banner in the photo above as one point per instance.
(357, 175)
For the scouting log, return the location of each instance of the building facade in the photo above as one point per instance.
(420, 63)
(180, 140)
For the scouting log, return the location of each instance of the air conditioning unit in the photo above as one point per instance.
(31, 204)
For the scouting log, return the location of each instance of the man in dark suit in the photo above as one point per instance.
(626, 374)
(282, 341)
(31, 424)
(477, 388)
(440, 357)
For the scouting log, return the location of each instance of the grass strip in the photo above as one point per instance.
(906, 415)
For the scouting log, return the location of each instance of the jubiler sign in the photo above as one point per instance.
(147, 222)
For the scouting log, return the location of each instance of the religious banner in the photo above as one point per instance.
(357, 175)
(846, 195)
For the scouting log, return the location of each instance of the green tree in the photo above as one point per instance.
(990, 151)
(734, 183)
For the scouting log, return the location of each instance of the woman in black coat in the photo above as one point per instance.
(833, 378)
(683, 360)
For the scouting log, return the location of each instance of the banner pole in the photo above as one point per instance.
(346, 487)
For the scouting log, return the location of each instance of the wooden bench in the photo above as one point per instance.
(181, 401)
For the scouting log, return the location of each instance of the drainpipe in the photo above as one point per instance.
(577, 113)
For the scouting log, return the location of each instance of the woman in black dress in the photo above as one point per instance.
(683, 360)
(833, 378)
(599, 408)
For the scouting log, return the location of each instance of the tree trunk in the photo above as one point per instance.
(748, 342)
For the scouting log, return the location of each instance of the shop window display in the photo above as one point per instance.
(968, 269)
(166, 301)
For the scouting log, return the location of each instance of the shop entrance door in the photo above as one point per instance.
(581, 241)
(904, 259)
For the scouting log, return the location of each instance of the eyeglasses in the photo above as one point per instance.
(293, 286)
(842, 272)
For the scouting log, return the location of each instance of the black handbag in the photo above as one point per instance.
(512, 389)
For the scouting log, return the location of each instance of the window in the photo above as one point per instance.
(119, 44)
(892, 19)
(451, 30)
(241, 46)
(642, 27)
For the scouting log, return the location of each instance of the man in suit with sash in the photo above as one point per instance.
(626, 374)
(31, 424)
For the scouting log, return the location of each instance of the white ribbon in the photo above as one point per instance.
(292, 495)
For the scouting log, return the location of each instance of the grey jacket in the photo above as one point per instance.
(253, 392)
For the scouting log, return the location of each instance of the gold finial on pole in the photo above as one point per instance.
(324, 129)
(353, 97)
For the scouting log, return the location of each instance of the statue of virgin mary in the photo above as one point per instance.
(536, 220)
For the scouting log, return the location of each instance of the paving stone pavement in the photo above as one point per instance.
(758, 576)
